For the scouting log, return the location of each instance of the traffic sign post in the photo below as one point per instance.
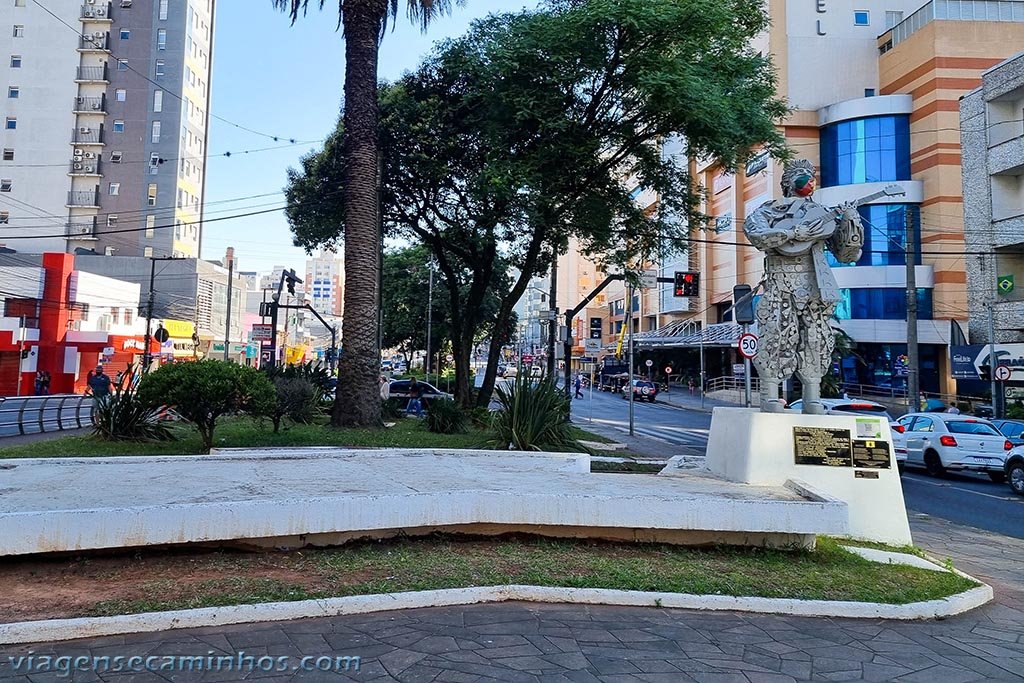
(748, 349)
(649, 364)
(1003, 373)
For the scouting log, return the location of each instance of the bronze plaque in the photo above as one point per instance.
(822, 446)
(865, 474)
(871, 453)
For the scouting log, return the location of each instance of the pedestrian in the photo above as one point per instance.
(39, 383)
(99, 383)
(385, 388)
(415, 398)
(579, 386)
(692, 386)
(44, 383)
(952, 409)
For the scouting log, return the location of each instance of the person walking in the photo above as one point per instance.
(579, 386)
(415, 398)
(99, 383)
(38, 387)
(44, 383)
(692, 386)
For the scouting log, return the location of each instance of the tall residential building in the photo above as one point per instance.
(106, 120)
(325, 282)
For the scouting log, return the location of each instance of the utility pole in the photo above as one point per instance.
(553, 317)
(913, 362)
(147, 357)
(430, 312)
(21, 350)
(629, 331)
(227, 321)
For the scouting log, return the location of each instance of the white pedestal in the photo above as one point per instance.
(752, 447)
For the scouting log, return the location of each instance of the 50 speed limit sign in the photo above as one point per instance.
(748, 345)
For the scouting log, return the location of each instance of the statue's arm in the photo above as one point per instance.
(760, 228)
(848, 240)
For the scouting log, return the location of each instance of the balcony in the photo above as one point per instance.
(96, 11)
(82, 229)
(90, 105)
(82, 166)
(87, 199)
(92, 74)
(96, 42)
(86, 135)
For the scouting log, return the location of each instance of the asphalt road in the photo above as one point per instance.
(967, 499)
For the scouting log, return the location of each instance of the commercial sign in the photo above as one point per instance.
(262, 332)
(967, 361)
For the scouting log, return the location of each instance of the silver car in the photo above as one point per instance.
(946, 441)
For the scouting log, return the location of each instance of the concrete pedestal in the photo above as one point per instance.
(752, 447)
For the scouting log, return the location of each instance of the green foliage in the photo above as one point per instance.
(297, 399)
(481, 417)
(1013, 412)
(445, 416)
(202, 392)
(318, 375)
(122, 416)
(534, 416)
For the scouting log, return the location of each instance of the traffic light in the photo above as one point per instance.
(24, 354)
(291, 278)
(687, 283)
(743, 304)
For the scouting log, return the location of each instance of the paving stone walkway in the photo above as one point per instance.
(533, 642)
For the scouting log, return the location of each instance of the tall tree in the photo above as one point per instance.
(363, 23)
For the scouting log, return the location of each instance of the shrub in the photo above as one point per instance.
(297, 399)
(444, 416)
(121, 416)
(481, 417)
(319, 376)
(203, 391)
(534, 416)
(393, 408)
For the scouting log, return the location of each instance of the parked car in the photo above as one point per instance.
(1012, 430)
(536, 371)
(946, 441)
(510, 371)
(642, 390)
(1014, 470)
(855, 406)
(400, 389)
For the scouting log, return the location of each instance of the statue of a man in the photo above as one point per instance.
(800, 292)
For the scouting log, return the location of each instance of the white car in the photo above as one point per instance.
(856, 406)
(946, 441)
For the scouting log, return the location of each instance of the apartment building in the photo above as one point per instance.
(106, 124)
(325, 282)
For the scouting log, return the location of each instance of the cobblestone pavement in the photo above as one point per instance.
(533, 642)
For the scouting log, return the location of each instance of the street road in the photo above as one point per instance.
(967, 499)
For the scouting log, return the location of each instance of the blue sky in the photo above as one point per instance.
(286, 81)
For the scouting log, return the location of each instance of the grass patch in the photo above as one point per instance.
(906, 549)
(584, 435)
(97, 585)
(637, 467)
(246, 433)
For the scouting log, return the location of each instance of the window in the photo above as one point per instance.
(177, 230)
(868, 150)
(159, 67)
(155, 138)
(125, 34)
(881, 303)
(971, 427)
(15, 61)
(126, 4)
(19, 31)
(861, 17)
(163, 10)
(13, 92)
(122, 65)
(5, 217)
(158, 101)
(8, 154)
(114, 189)
(885, 235)
(869, 92)
(151, 195)
(112, 221)
(118, 126)
(148, 252)
(121, 94)
(923, 424)
(892, 18)
(12, 123)
(150, 225)
(161, 39)
(154, 163)
(19, 3)
(5, 184)
(115, 157)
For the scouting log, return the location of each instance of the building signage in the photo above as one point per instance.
(262, 332)
(133, 344)
(819, 6)
(757, 163)
(822, 446)
(967, 361)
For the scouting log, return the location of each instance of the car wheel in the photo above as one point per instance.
(997, 477)
(1016, 477)
(933, 464)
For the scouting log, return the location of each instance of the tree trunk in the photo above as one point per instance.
(358, 399)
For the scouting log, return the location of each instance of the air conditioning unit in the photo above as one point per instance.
(89, 13)
(90, 169)
(99, 34)
(79, 151)
(80, 99)
(90, 155)
(96, 106)
(78, 157)
(84, 130)
(100, 12)
(90, 2)
(78, 167)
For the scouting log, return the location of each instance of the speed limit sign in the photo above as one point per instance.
(1003, 373)
(748, 345)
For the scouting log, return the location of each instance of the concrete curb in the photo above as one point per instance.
(91, 627)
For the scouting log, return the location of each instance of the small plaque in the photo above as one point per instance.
(871, 453)
(869, 428)
(822, 446)
(865, 474)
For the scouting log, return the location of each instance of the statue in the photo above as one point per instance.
(800, 292)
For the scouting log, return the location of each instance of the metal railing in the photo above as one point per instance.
(98, 11)
(86, 135)
(81, 229)
(92, 73)
(89, 198)
(90, 104)
(38, 414)
(94, 42)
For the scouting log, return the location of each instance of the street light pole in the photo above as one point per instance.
(430, 312)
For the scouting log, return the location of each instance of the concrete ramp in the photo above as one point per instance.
(294, 497)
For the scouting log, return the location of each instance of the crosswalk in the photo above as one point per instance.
(696, 439)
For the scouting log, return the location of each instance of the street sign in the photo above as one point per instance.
(547, 315)
(649, 363)
(1003, 373)
(591, 346)
(649, 279)
(262, 332)
(748, 345)
(161, 335)
(668, 370)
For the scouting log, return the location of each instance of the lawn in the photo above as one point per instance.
(242, 432)
(99, 585)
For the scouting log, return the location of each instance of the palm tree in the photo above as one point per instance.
(363, 23)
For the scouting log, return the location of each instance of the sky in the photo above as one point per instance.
(287, 81)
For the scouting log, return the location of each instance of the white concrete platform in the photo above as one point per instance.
(298, 496)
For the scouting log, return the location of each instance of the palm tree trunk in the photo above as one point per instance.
(358, 398)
